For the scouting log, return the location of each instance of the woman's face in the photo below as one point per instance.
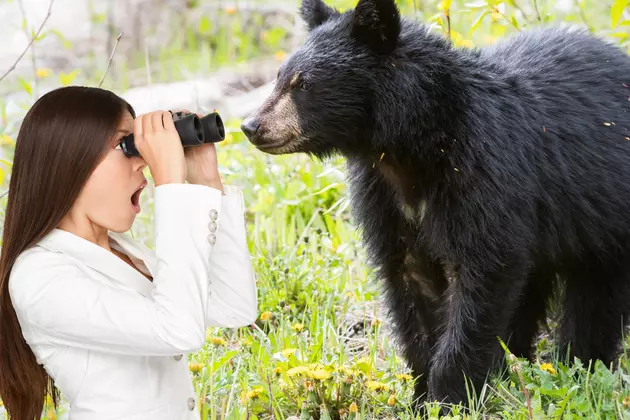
(111, 197)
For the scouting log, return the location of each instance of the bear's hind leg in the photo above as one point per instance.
(595, 309)
(530, 312)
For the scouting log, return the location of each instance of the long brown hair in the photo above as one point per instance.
(62, 139)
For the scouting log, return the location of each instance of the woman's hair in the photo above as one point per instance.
(62, 139)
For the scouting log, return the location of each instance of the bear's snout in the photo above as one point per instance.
(250, 127)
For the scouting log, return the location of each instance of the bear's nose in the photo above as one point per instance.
(250, 127)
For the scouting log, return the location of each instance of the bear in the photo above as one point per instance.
(483, 181)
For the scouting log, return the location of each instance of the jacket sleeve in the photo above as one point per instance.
(57, 303)
(232, 300)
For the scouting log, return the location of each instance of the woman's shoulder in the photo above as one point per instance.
(33, 268)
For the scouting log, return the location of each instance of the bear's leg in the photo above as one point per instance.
(531, 310)
(478, 308)
(595, 311)
(415, 284)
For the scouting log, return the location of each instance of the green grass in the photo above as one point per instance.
(322, 346)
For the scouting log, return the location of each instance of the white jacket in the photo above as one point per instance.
(116, 343)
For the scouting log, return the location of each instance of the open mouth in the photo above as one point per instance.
(135, 197)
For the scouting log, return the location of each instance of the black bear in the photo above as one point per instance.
(481, 179)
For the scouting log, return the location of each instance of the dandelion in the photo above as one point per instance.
(254, 393)
(195, 367)
(548, 368)
(217, 341)
(297, 370)
(297, 327)
(288, 352)
(353, 408)
(376, 386)
(266, 316)
(318, 374)
(404, 377)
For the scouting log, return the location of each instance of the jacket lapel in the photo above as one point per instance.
(103, 261)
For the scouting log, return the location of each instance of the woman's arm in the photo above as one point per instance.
(233, 298)
(58, 303)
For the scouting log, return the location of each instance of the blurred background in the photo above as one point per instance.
(322, 345)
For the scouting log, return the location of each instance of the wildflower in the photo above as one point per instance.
(230, 10)
(353, 408)
(266, 316)
(277, 370)
(548, 368)
(319, 374)
(297, 327)
(195, 367)
(41, 73)
(391, 401)
(297, 370)
(376, 386)
(288, 352)
(217, 341)
(404, 377)
(376, 322)
(254, 393)
(280, 55)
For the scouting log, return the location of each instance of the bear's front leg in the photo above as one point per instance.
(477, 309)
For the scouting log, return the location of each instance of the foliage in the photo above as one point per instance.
(321, 346)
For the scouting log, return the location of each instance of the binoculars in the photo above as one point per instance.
(192, 130)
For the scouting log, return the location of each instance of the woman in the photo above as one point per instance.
(85, 309)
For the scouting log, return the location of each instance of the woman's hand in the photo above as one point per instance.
(202, 164)
(159, 145)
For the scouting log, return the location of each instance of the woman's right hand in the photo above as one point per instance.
(159, 145)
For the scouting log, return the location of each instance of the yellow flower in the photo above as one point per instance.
(297, 327)
(230, 10)
(254, 393)
(280, 55)
(404, 377)
(297, 370)
(288, 352)
(376, 386)
(195, 367)
(391, 401)
(41, 73)
(319, 374)
(277, 370)
(354, 408)
(376, 322)
(218, 341)
(547, 367)
(266, 316)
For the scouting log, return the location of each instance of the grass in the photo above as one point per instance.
(321, 347)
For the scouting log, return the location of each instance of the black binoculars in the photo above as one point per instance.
(192, 130)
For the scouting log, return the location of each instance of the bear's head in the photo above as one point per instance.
(323, 99)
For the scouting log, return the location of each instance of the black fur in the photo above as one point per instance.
(520, 155)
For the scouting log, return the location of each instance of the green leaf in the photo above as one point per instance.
(66, 79)
(478, 21)
(27, 86)
(616, 11)
(204, 25)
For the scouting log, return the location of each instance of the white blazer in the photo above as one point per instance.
(116, 343)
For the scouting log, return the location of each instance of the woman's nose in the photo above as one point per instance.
(139, 164)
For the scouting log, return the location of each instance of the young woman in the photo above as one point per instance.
(84, 309)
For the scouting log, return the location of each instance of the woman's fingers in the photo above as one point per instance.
(147, 126)
(156, 121)
(169, 125)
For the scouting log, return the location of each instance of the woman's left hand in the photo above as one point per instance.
(202, 164)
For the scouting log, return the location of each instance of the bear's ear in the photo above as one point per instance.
(376, 23)
(316, 12)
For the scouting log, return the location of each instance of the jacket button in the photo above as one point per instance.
(191, 403)
(212, 239)
(213, 214)
(178, 357)
(212, 226)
